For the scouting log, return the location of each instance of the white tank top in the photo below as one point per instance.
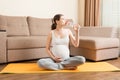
(60, 46)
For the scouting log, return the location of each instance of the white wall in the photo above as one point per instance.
(119, 12)
(40, 8)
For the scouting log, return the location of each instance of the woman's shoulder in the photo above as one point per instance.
(50, 33)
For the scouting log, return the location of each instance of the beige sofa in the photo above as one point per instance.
(24, 38)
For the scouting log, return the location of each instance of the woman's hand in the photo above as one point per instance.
(76, 27)
(57, 59)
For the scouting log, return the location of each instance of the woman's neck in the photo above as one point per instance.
(59, 28)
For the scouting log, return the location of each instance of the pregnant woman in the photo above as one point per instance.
(57, 46)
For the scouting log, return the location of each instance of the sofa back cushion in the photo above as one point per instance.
(17, 26)
(39, 26)
(98, 31)
(3, 22)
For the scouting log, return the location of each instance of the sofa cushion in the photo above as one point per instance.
(26, 42)
(39, 26)
(98, 42)
(17, 26)
(3, 22)
(98, 31)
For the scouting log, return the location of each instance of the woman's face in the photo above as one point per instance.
(62, 21)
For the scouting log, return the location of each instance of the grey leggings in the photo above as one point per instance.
(48, 63)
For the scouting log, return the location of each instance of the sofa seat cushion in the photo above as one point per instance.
(26, 42)
(98, 42)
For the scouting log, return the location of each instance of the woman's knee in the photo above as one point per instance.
(81, 58)
(40, 62)
(44, 62)
(48, 64)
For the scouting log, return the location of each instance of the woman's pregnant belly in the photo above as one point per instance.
(61, 51)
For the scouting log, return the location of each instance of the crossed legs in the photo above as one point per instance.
(70, 63)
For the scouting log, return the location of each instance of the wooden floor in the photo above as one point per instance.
(66, 76)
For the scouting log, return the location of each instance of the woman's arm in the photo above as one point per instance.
(48, 44)
(75, 40)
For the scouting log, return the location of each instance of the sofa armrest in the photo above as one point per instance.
(3, 46)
